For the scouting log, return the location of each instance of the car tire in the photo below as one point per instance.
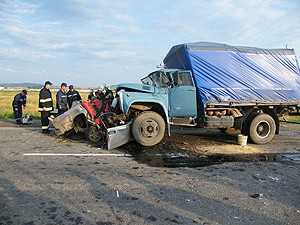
(262, 129)
(93, 134)
(148, 128)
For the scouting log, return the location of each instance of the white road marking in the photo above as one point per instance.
(19, 128)
(74, 154)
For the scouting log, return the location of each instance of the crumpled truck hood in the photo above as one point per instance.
(136, 87)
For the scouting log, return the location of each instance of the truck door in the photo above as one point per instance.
(182, 97)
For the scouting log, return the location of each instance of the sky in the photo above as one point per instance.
(90, 42)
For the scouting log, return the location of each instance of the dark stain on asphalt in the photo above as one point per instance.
(104, 223)
(165, 155)
(151, 218)
(29, 223)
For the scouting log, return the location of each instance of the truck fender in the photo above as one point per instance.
(154, 106)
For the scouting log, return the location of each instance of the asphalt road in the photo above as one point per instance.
(120, 187)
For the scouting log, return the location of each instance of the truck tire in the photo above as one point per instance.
(223, 130)
(148, 128)
(262, 129)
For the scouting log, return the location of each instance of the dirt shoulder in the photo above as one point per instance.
(212, 141)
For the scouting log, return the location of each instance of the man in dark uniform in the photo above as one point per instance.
(45, 105)
(91, 96)
(61, 99)
(100, 95)
(19, 101)
(73, 96)
(108, 98)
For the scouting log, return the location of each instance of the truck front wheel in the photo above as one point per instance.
(148, 128)
(262, 129)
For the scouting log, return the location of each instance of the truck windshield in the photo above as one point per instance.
(147, 81)
(157, 79)
(160, 79)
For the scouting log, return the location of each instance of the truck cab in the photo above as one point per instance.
(170, 91)
(165, 97)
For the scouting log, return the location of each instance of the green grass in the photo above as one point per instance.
(291, 118)
(7, 97)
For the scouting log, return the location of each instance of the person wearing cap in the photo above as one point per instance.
(73, 96)
(19, 101)
(61, 99)
(91, 96)
(45, 105)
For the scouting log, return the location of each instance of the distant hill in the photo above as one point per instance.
(22, 84)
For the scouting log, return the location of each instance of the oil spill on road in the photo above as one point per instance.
(167, 155)
(164, 155)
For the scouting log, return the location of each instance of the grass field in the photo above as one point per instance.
(7, 97)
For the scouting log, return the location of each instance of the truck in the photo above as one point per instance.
(210, 85)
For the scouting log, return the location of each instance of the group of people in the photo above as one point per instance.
(64, 101)
(105, 95)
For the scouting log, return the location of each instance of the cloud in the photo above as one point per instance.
(124, 40)
(114, 54)
(10, 70)
(24, 55)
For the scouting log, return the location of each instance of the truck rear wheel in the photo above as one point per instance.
(223, 129)
(148, 128)
(262, 129)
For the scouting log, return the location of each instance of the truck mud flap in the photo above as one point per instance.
(117, 136)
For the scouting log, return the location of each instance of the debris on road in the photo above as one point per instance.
(256, 195)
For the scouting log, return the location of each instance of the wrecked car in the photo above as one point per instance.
(88, 118)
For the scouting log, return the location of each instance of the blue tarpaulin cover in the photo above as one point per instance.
(224, 73)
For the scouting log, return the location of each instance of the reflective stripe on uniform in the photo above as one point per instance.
(47, 109)
(45, 127)
(46, 100)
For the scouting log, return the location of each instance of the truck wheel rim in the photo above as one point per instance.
(149, 128)
(263, 129)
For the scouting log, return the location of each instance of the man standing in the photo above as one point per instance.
(61, 99)
(73, 96)
(100, 95)
(108, 98)
(19, 101)
(45, 105)
(91, 96)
